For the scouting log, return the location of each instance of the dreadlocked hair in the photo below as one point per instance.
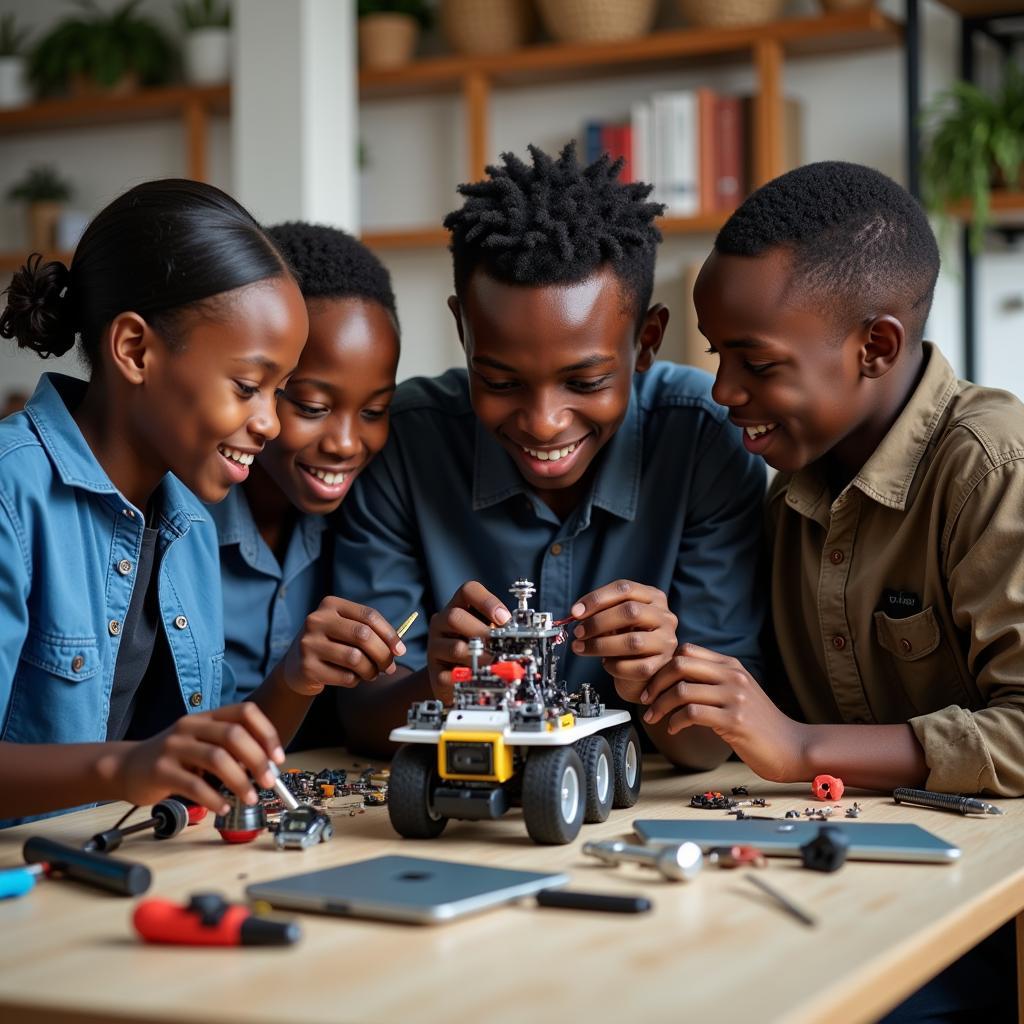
(556, 222)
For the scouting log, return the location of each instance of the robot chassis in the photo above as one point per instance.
(514, 735)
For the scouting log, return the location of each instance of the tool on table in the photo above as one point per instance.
(209, 920)
(678, 863)
(18, 881)
(166, 819)
(97, 869)
(571, 900)
(300, 825)
(944, 801)
(783, 901)
(243, 822)
(827, 850)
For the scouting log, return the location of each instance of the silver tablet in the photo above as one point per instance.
(403, 889)
(868, 841)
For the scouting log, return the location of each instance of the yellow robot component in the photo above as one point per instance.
(474, 757)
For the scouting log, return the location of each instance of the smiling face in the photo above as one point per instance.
(334, 409)
(797, 385)
(209, 403)
(551, 372)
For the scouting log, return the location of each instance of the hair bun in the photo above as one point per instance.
(38, 312)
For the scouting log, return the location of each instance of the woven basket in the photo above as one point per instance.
(386, 40)
(845, 5)
(587, 21)
(730, 13)
(487, 26)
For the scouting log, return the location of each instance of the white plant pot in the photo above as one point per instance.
(14, 90)
(208, 56)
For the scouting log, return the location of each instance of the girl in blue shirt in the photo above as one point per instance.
(275, 548)
(111, 634)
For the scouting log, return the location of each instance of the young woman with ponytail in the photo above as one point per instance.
(112, 683)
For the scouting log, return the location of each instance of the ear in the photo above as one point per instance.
(884, 340)
(650, 337)
(130, 342)
(456, 307)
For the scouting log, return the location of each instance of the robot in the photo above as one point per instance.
(514, 735)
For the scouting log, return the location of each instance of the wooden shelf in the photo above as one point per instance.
(144, 105)
(828, 33)
(1007, 207)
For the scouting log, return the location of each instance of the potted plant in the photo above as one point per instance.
(101, 51)
(13, 79)
(207, 52)
(44, 191)
(389, 29)
(975, 142)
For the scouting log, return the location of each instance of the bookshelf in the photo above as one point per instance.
(766, 47)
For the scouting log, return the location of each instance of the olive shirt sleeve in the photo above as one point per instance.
(983, 547)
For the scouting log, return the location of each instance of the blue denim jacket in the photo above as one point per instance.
(265, 602)
(676, 503)
(68, 547)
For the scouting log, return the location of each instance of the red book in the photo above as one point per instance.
(706, 162)
(730, 187)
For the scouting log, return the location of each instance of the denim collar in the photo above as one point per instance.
(616, 487)
(77, 466)
(236, 525)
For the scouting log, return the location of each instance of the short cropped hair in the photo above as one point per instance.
(331, 264)
(556, 222)
(858, 239)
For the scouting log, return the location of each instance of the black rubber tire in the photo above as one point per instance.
(628, 761)
(593, 750)
(411, 790)
(544, 778)
(173, 817)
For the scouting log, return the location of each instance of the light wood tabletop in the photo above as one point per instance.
(712, 950)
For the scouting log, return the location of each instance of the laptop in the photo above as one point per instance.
(783, 838)
(411, 889)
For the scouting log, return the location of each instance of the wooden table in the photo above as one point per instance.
(712, 950)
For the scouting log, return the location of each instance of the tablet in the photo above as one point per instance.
(403, 889)
(882, 841)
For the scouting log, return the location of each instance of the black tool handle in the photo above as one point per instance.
(926, 798)
(593, 901)
(96, 869)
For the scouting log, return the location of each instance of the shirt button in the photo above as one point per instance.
(181, 623)
(838, 642)
(906, 645)
(77, 663)
(556, 549)
(195, 699)
(130, 513)
(114, 627)
(124, 567)
(281, 593)
(836, 557)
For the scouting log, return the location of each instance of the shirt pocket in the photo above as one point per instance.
(924, 669)
(48, 702)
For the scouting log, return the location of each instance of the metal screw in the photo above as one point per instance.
(677, 863)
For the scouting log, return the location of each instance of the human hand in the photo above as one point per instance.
(630, 627)
(231, 743)
(701, 687)
(341, 644)
(451, 629)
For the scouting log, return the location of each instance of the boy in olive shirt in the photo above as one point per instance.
(896, 527)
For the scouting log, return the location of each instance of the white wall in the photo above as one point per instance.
(853, 109)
